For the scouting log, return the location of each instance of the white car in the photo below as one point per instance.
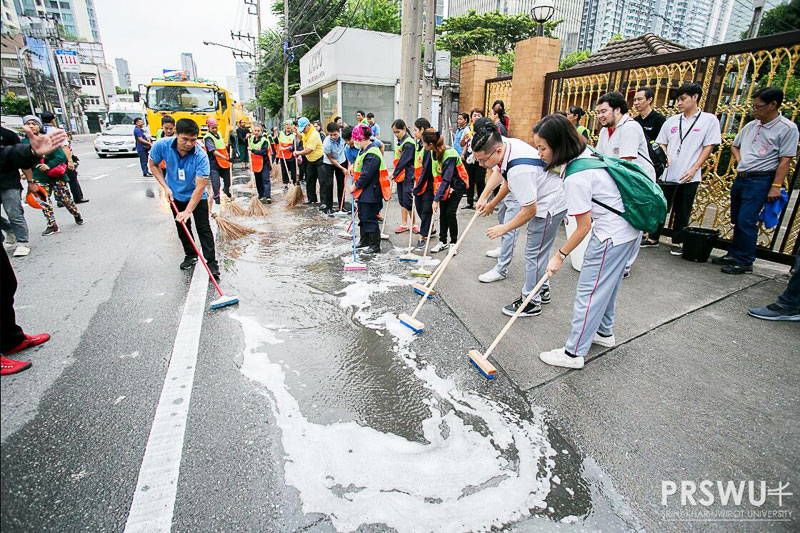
(117, 139)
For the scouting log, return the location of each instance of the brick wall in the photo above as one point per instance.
(533, 59)
(475, 70)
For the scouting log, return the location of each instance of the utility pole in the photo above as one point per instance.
(430, 53)
(286, 59)
(57, 80)
(409, 61)
(755, 23)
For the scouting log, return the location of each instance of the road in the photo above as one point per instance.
(306, 407)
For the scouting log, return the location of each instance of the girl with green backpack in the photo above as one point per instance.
(591, 195)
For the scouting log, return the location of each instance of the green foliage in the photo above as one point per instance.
(616, 37)
(490, 34)
(120, 90)
(13, 105)
(779, 19)
(505, 64)
(573, 59)
(375, 15)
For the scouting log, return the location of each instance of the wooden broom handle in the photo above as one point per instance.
(443, 266)
(428, 240)
(518, 312)
(411, 226)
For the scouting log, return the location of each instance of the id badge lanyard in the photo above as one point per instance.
(680, 130)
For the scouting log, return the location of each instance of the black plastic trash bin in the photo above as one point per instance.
(698, 243)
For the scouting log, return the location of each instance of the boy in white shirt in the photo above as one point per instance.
(688, 139)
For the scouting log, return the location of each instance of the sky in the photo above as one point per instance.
(152, 34)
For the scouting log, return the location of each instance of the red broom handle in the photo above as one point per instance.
(210, 275)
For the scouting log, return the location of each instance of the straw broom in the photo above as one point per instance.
(256, 208)
(295, 193)
(229, 230)
(232, 209)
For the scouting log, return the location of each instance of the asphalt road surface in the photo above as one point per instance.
(306, 407)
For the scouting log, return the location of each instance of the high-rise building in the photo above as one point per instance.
(78, 17)
(123, 73)
(9, 22)
(188, 64)
(243, 81)
(567, 10)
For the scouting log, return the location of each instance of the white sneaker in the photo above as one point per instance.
(493, 253)
(557, 357)
(492, 275)
(608, 342)
(439, 247)
(21, 251)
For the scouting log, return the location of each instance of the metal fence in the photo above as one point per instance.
(729, 73)
(497, 89)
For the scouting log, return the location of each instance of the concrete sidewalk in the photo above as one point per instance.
(695, 388)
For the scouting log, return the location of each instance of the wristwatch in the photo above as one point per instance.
(562, 254)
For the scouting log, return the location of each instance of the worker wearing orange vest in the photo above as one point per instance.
(259, 158)
(287, 142)
(450, 181)
(218, 159)
(371, 186)
(423, 183)
(404, 172)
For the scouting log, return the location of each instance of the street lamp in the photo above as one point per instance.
(541, 12)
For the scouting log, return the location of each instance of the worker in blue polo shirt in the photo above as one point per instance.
(185, 182)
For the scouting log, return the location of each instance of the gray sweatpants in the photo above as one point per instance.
(596, 293)
(541, 235)
(12, 205)
(509, 208)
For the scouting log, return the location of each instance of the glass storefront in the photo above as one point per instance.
(329, 104)
(377, 99)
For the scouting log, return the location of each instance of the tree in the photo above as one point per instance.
(573, 58)
(120, 90)
(375, 15)
(505, 63)
(13, 105)
(785, 17)
(490, 33)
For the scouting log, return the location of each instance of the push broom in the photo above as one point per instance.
(341, 213)
(409, 257)
(422, 271)
(222, 301)
(481, 361)
(410, 321)
(355, 265)
(419, 288)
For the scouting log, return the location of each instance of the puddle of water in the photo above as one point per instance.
(379, 426)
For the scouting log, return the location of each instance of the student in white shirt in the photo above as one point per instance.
(612, 243)
(540, 193)
(622, 138)
(688, 139)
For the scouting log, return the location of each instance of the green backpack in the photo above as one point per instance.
(645, 205)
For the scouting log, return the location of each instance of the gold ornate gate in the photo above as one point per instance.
(729, 73)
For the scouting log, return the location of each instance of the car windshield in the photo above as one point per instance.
(179, 98)
(119, 130)
(122, 117)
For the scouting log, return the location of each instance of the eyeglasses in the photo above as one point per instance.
(485, 160)
(756, 107)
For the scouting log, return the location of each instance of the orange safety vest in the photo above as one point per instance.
(386, 184)
(221, 147)
(437, 171)
(285, 145)
(406, 144)
(257, 161)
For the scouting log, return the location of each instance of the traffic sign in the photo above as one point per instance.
(68, 60)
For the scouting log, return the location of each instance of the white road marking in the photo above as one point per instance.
(132, 165)
(101, 176)
(154, 499)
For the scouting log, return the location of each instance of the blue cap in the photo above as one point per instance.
(302, 122)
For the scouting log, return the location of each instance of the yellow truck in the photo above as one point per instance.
(194, 100)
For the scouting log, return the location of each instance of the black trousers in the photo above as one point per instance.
(448, 219)
(11, 334)
(680, 199)
(203, 231)
(424, 207)
(368, 216)
(289, 168)
(477, 181)
(74, 186)
(325, 185)
(312, 174)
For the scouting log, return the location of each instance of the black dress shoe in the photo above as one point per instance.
(737, 269)
(309, 202)
(724, 260)
(82, 201)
